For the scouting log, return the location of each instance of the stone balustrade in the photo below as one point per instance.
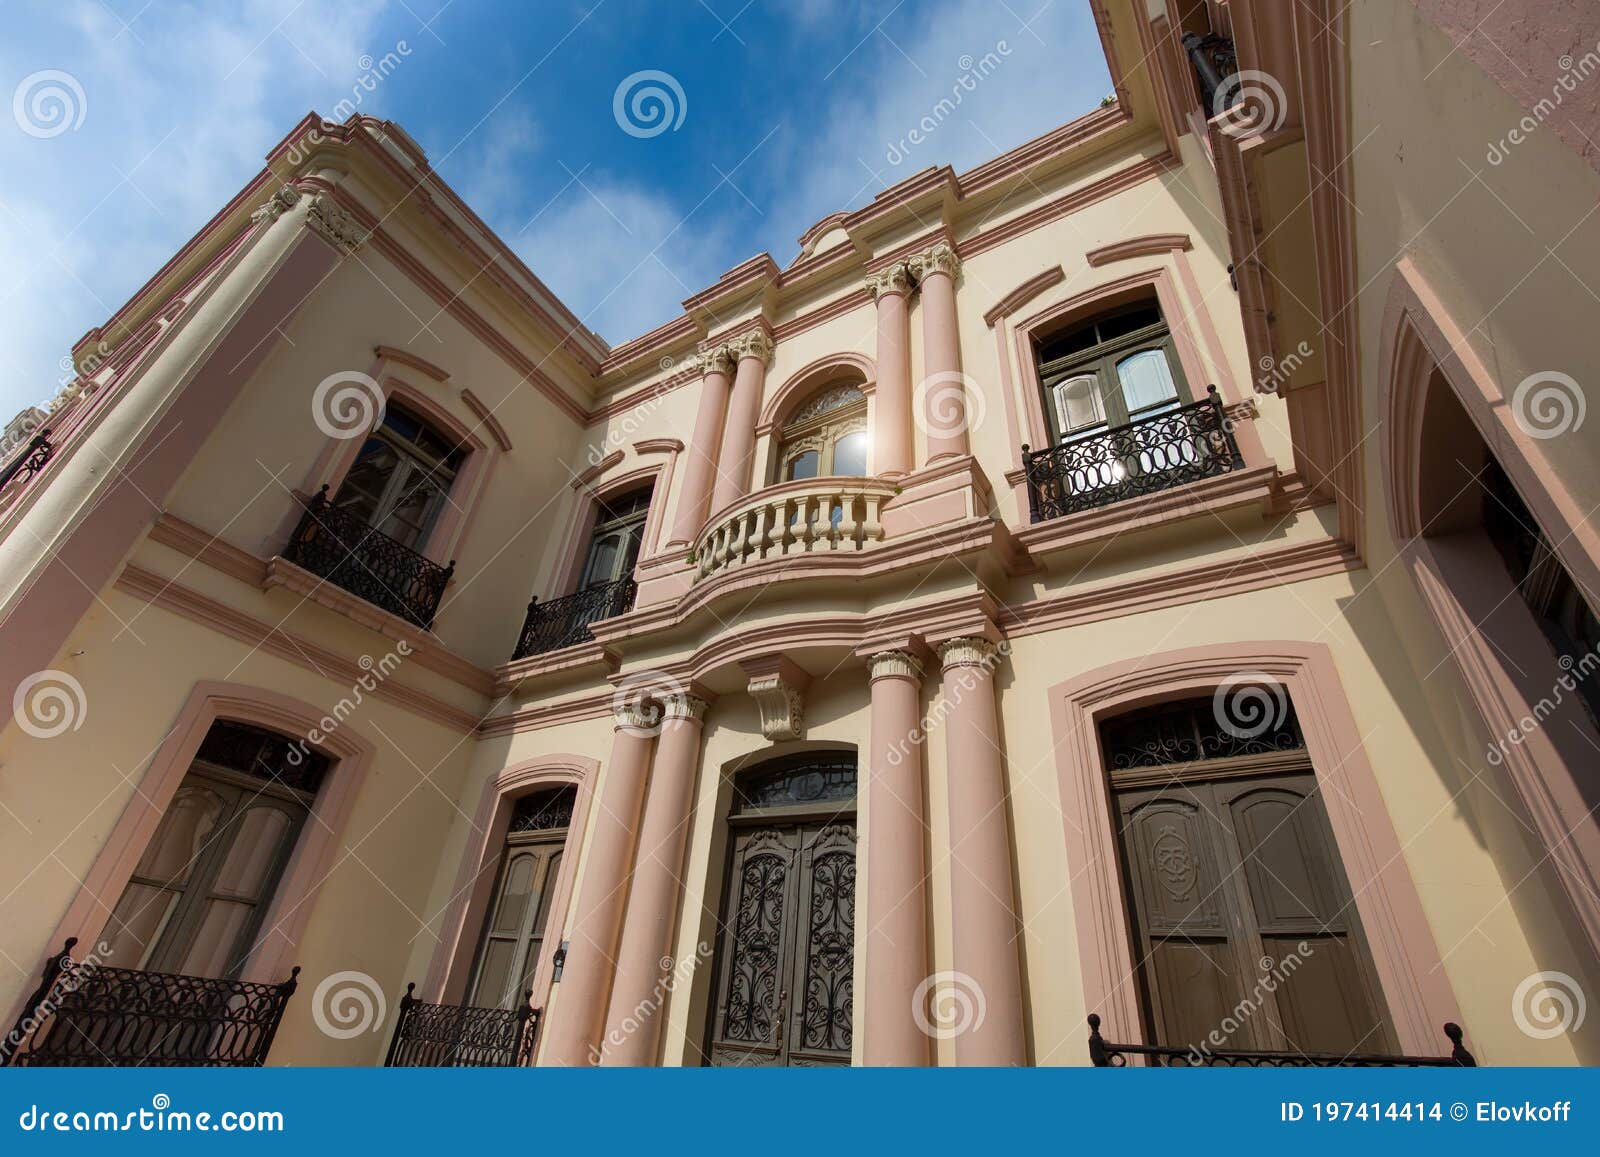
(809, 516)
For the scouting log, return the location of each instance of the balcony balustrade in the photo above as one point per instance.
(87, 1014)
(27, 461)
(811, 516)
(355, 556)
(1157, 453)
(564, 622)
(461, 1036)
(1104, 1054)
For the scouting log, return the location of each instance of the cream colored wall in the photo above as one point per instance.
(1511, 250)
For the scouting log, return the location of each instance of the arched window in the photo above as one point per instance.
(1109, 370)
(826, 436)
(401, 477)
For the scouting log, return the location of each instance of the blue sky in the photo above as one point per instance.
(789, 111)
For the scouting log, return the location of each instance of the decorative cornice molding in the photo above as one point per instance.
(658, 446)
(754, 344)
(486, 416)
(589, 475)
(895, 665)
(938, 258)
(778, 686)
(336, 224)
(892, 278)
(406, 358)
(1138, 247)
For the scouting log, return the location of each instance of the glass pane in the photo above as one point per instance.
(259, 836)
(802, 466)
(494, 973)
(603, 555)
(136, 924)
(1078, 403)
(850, 455)
(413, 509)
(184, 830)
(363, 487)
(1146, 380)
(514, 893)
(217, 946)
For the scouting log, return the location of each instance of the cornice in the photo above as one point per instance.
(411, 360)
(486, 416)
(1152, 244)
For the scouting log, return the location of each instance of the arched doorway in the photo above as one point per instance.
(786, 952)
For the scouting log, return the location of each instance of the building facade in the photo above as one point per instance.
(1149, 575)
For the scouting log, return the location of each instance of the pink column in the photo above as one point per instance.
(754, 351)
(983, 913)
(892, 403)
(896, 917)
(943, 396)
(700, 464)
(580, 1004)
(634, 1021)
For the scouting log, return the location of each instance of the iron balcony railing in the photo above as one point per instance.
(349, 553)
(461, 1036)
(1104, 1054)
(29, 460)
(87, 1014)
(1214, 60)
(1169, 449)
(564, 622)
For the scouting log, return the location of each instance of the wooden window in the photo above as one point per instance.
(826, 437)
(401, 477)
(195, 901)
(1243, 920)
(786, 958)
(513, 939)
(1109, 370)
(616, 539)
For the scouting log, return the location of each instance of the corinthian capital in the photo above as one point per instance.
(894, 278)
(755, 344)
(967, 651)
(895, 665)
(938, 258)
(718, 360)
(285, 198)
(335, 224)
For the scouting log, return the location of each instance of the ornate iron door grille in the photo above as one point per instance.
(1104, 1054)
(28, 461)
(461, 1036)
(87, 1014)
(1152, 454)
(349, 553)
(564, 622)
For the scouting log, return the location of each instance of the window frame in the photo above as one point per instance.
(822, 434)
(1101, 360)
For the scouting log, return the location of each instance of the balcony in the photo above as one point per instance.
(1104, 1054)
(1157, 453)
(27, 461)
(809, 517)
(84, 1013)
(564, 622)
(461, 1036)
(345, 551)
(1214, 60)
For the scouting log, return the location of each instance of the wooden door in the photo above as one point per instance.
(1244, 924)
(787, 952)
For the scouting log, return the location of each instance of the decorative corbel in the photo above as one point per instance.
(778, 686)
(285, 198)
(335, 224)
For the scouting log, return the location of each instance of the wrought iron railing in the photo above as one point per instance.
(87, 1014)
(1169, 449)
(350, 553)
(564, 622)
(1104, 1054)
(29, 460)
(461, 1036)
(1214, 60)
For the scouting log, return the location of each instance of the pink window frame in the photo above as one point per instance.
(799, 386)
(581, 527)
(314, 852)
(452, 961)
(1406, 958)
